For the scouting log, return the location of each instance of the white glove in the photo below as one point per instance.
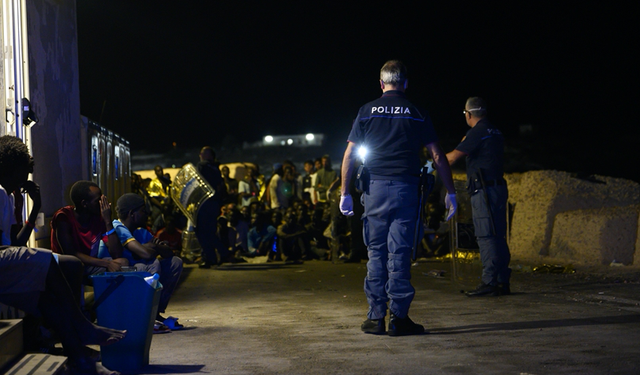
(451, 204)
(346, 205)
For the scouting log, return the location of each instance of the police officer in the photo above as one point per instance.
(394, 132)
(483, 147)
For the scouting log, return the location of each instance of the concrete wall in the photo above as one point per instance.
(557, 215)
(55, 97)
(596, 236)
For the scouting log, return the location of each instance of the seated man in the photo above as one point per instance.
(141, 249)
(33, 281)
(77, 230)
(261, 235)
(293, 239)
(171, 234)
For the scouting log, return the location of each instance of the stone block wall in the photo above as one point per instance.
(596, 236)
(557, 215)
(538, 197)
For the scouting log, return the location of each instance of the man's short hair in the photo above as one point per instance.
(210, 149)
(80, 191)
(476, 106)
(14, 154)
(393, 73)
(129, 202)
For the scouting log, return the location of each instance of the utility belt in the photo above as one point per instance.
(474, 183)
(362, 179)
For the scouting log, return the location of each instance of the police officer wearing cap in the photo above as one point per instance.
(483, 147)
(394, 131)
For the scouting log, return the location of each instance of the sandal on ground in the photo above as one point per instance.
(159, 327)
(173, 324)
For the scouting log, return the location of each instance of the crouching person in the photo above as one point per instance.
(141, 249)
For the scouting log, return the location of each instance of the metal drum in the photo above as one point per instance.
(189, 190)
(191, 249)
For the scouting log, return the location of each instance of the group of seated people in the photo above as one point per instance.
(40, 282)
(287, 216)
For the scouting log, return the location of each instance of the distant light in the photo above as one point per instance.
(362, 152)
(268, 139)
(310, 137)
(289, 141)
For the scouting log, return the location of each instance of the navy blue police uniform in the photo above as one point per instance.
(394, 131)
(484, 146)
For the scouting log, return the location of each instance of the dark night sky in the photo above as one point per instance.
(195, 75)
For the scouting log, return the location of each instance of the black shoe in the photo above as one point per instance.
(234, 260)
(404, 327)
(351, 260)
(206, 264)
(373, 326)
(505, 289)
(484, 290)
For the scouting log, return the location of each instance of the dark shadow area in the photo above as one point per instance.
(167, 369)
(251, 266)
(556, 323)
(186, 271)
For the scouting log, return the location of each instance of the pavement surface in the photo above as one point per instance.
(271, 318)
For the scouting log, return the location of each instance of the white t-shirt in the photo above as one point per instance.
(7, 217)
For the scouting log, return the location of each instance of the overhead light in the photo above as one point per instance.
(310, 137)
(268, 139)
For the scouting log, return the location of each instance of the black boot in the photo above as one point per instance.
(404, 327)
(484, 290)
(374, 326)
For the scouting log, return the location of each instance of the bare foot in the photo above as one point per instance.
(99, 335)
(86, 366)
(101, 370)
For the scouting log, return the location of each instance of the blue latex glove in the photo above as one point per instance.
(451, 204)
(346, 205)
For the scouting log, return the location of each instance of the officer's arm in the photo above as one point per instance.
(454, 156)
(441, 164)
(348, 165)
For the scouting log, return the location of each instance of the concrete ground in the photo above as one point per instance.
(305, 319)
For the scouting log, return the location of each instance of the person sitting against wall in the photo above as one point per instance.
(78, 230)
(141, 249)
(32, 279)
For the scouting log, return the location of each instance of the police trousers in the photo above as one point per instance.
(391, 209)
(490, 223)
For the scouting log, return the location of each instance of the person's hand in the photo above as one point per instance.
(346, 205)
(451, 204)
(33, 190)
(105, 209)
(114, 266)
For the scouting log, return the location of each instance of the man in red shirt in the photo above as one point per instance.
(77, 230)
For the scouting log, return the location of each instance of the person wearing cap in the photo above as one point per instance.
(394, 132)
(483, 147)
(78, 230)
(142, 249)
